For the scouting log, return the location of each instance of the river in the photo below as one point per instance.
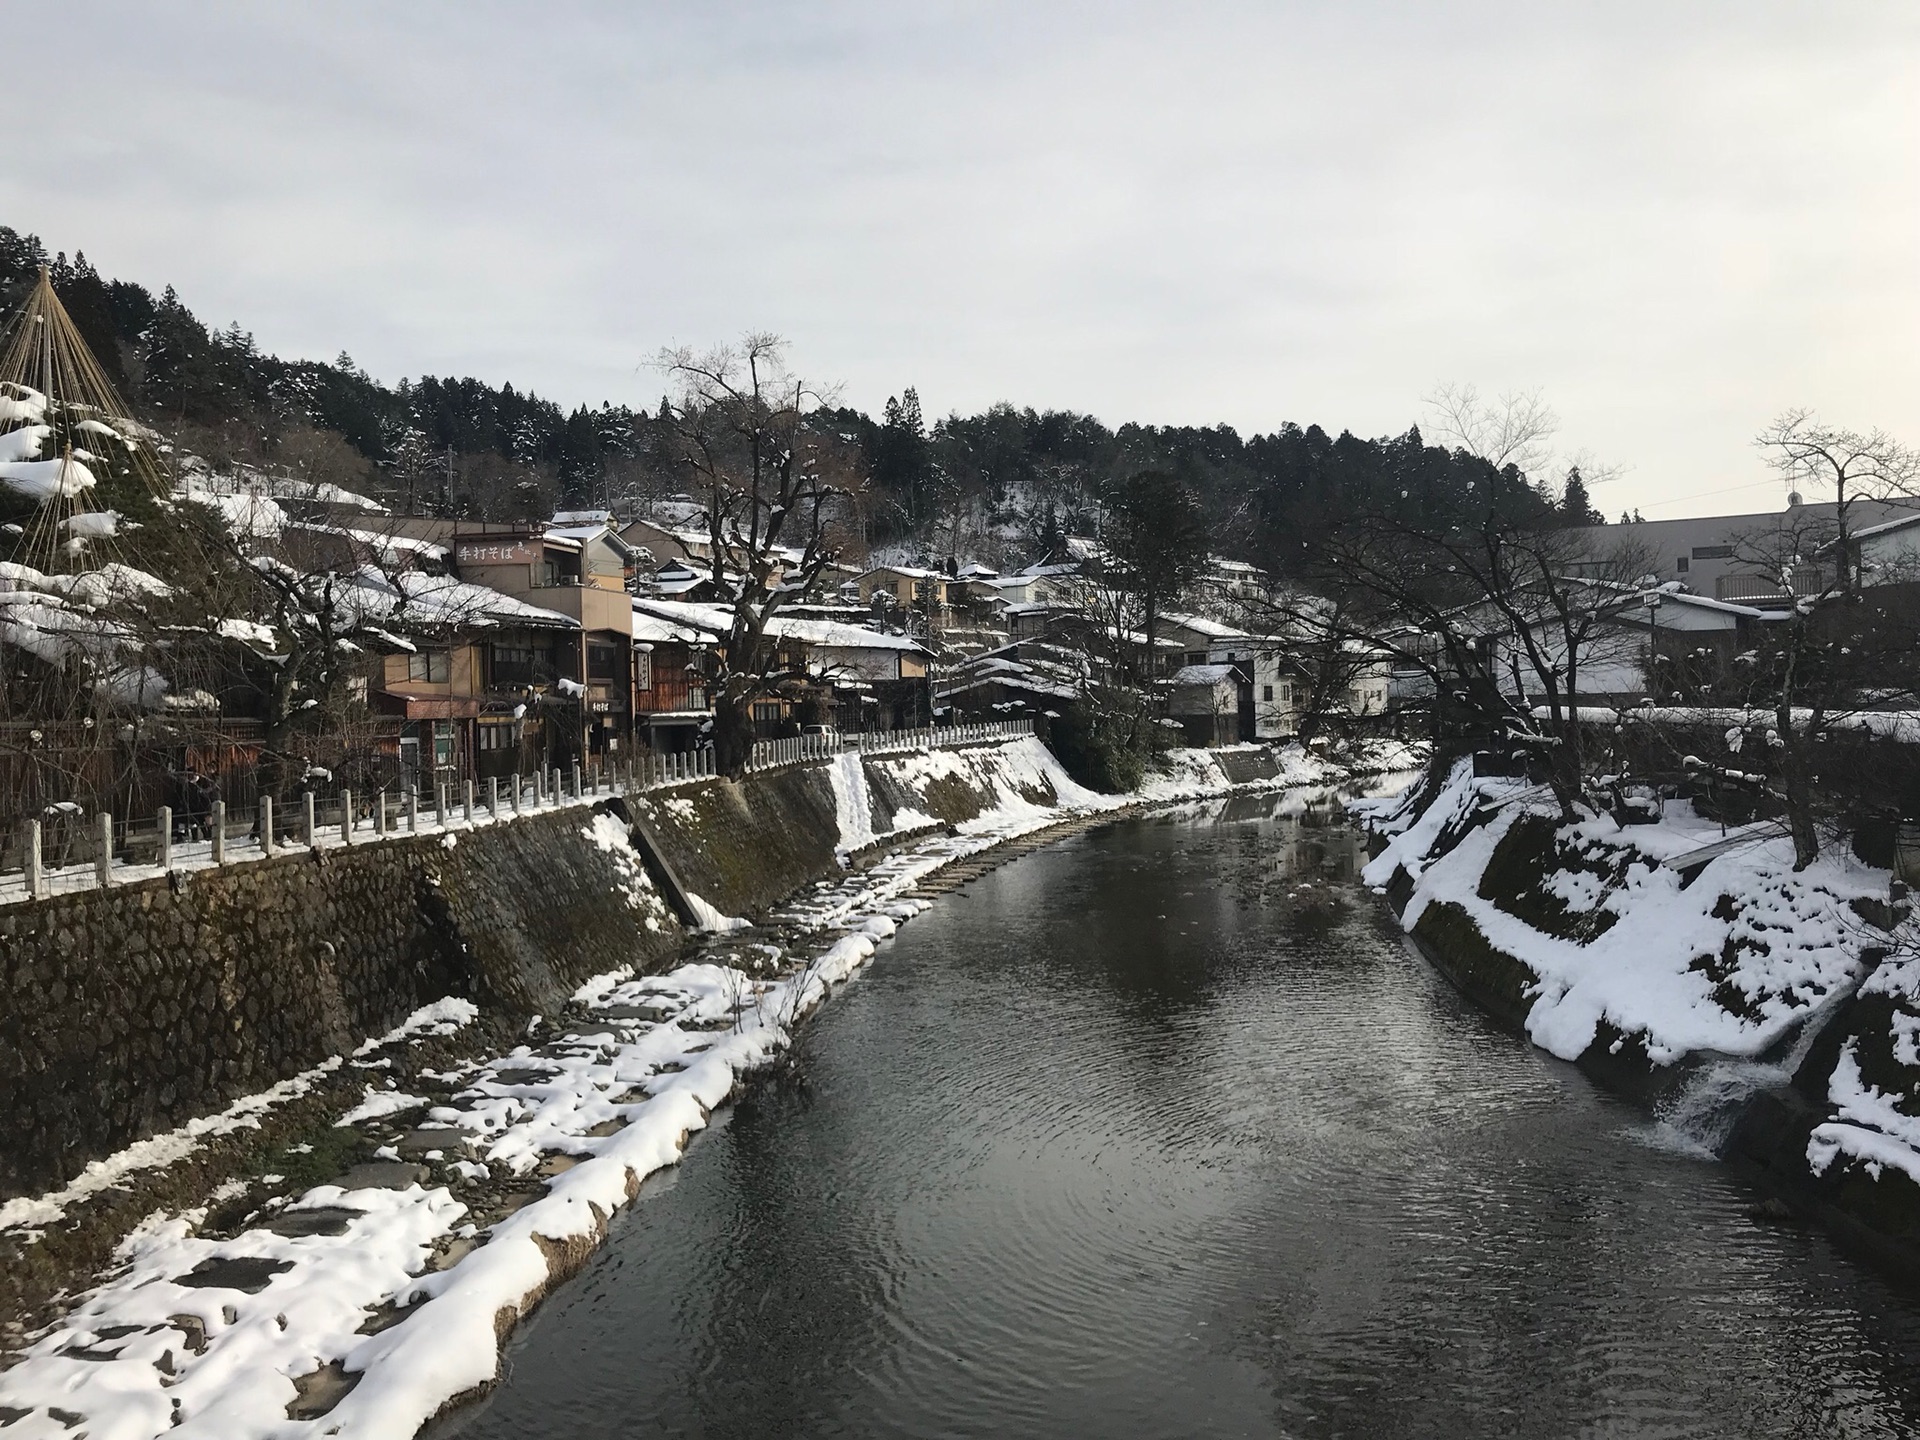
(1163, 1131)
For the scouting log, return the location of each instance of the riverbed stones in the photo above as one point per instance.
(314, 1220)
(383, 1175)
(320, 1390)
(245, 1273)
(422, 1143)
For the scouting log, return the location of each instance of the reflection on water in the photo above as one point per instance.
(1162, 1132)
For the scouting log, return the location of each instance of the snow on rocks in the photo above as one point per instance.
(442, 1017)
(1878, 1125)
(1727, 962)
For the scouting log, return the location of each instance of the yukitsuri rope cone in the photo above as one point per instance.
(64, 429)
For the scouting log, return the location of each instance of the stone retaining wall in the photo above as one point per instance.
(128, 1011)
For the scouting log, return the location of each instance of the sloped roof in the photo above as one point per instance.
(1202, 674)
(712, 621)
(1212, 629)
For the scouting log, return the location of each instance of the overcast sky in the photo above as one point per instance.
(1674, 218)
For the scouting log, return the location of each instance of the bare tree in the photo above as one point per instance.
(1516, 429)
(1855, 465)
(774, 484)
(1507, 616)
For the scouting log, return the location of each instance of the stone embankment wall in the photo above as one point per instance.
(128, 1011)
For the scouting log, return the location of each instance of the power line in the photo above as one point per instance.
(1703, 494)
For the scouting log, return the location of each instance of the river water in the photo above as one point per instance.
(1163, 1132)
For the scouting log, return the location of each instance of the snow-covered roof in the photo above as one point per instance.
(602, 518)
(716, 620)
(1212, 629)
(411, 599)
(1202, 674)
(245, 480)
(585, 534)
(389, 546)
(1886, 527)
(661, 631)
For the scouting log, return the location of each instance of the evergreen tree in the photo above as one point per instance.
(581, 465)
(901, 459)
(1576, 505)
(1156, 544)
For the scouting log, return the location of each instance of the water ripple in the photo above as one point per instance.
(1147, 1136)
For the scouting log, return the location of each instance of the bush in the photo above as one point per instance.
(1103, 752)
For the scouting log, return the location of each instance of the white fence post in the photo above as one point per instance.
(36, 871)
(218, 819)
(380, 813)
(165, 821)
(266, 824)
(309, 830)
(576, 779)
(469, 802)
(413, 808)
(103, 862)
(346, 817)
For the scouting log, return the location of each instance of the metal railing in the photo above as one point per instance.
(74, 850)
(805, 749)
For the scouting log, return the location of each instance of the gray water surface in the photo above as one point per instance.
(1136, 1137)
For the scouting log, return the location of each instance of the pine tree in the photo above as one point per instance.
(1576, 505)
(581, 464)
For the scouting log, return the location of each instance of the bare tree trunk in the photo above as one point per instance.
(732, 734)
(1796, 786)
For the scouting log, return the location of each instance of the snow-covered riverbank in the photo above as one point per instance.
(364, 1306)
(1654, 944)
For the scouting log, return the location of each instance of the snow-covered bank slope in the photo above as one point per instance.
(1612, 934)
(1646, 945)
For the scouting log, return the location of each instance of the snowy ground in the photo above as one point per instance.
(364, 1307)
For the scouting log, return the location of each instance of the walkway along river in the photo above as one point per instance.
(1163, 1131)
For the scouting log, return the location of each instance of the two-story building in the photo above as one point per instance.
(671, 706)
(926, 593)
(469, 691)
(580, 571)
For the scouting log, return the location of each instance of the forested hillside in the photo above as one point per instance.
(993, 485)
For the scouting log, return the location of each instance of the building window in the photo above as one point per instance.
(496, 735)
(1713, 552)
(431, 666)
(603, 662)
(1266, 692)
(696, 697)
(512, 665)
(1680, 564)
